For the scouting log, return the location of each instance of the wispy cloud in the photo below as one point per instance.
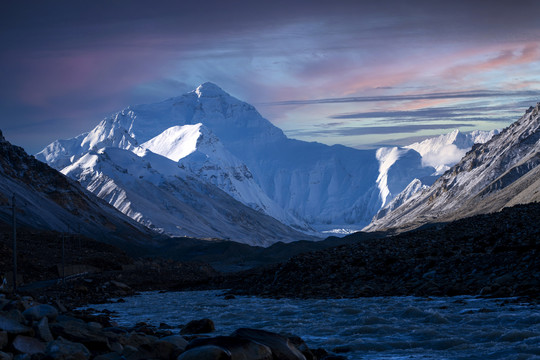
(375, 130)
(407, 97)
(455, 113)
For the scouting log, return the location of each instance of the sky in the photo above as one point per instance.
(359, 73)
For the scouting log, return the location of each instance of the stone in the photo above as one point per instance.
(62, 349)
(129, 352)
(5, 356)
(137, 340)
(79, 331)
(116, 347)
(12, 326)
(43, 331)
(28, 345)
(60, 306)
(121, 285)
(3, 339)
(37, 312)
(160, 350)
(207, 352)
(281, 346)
(239, 348)
(202, 326)
(177, 340)
(17, 316)
(301, 345)
(110, 356)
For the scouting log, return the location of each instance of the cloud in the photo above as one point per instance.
(406, 97)
(375, 130)
(455, 113)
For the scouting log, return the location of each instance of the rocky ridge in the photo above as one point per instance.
(500, 173)
(46, 199)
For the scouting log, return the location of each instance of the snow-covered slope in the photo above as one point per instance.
(156, 192)
(46, 199)
(502, 172)
(198, 151)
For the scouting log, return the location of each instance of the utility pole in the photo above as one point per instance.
(14, 245)
(63, 260)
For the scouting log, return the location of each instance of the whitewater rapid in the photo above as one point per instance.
(462, 327)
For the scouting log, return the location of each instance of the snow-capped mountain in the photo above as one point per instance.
(502, 172)
(443, 151)
(46, 199)
(212, 138)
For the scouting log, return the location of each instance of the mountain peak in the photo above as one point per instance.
(209, 89)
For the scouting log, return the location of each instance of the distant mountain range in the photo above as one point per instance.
(500, 173)
(206, 164)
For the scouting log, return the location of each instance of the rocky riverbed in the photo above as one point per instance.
(36, 331)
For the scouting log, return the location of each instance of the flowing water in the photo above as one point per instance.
(366, 328)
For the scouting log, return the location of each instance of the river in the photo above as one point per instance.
(461, 327)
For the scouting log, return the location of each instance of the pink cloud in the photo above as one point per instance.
(500, 60)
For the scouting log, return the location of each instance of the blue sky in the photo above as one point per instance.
(359, 73)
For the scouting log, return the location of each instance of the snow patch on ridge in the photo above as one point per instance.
(176, 142)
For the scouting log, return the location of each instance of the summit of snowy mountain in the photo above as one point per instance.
(209, 137)
(502, 172)
(209, 89)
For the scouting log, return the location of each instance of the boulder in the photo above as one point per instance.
(202, 326)
(301, 345)
(28, 345)
(79, 331)
(281, 346)
(13, 327)
(160, 350)
(38, 312)
(62, 349)
(110, 356)
(177, 340)
(239, 348)
(43, 331)
(207, 352)
(137, 340)
(3, 339)
(121, 285)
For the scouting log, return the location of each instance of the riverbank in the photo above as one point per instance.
(36, 331)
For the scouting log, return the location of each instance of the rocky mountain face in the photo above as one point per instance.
(500, 173)
(46, 199)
